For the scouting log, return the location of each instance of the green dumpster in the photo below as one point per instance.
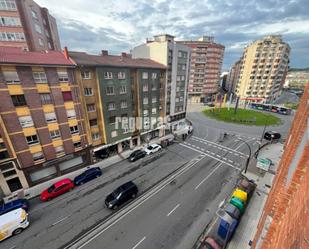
(238, 203)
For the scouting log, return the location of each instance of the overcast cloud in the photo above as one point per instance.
(119, 25)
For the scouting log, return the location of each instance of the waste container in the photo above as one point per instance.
(226, 230)
(238, 203)
(232, 211)
(240, 194)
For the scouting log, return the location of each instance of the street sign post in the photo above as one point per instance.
(263, 163)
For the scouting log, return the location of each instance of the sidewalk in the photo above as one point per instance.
(249, 221)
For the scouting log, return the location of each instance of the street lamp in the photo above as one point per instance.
(248, 159)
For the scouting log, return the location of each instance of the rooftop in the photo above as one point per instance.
(13, 55)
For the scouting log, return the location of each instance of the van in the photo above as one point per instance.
(121, 195)
(13, 223)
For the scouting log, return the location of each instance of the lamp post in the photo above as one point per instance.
(249, 157)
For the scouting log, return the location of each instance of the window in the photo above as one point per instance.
(41, 42)
(39, 77)
(11, 77)
(154, 87)
(154, 111)
(74, 129)
(18, 100)
(95, 136)
(86, 75)
(9, 21)
(63, 76)
(8, 5)
(77, 144)
(38, 156)
(49, 45)
(114, 134)
(154, 99)
(50, 117)
(67, 96)
(34, 15)
(145, 101)
(46, 98)
(154, 76)
(59, 149)
(121, 75)
(110, 90)
(91, 107)
(32, 139)
(108, 75)
(123, 89)
(111, 106)
(145, 75)
(124, 104)
(26, 121)
(146, 112)
(37, 28)
(12, 36)
(145, 88)
(112, 119)
(54, 134)
(88, 91)
(93, 122)
(71, 113)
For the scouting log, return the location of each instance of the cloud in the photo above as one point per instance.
(120, 25)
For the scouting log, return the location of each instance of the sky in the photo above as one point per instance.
(120, 25)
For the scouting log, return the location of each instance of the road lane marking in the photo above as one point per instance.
(213, 171)
(139, 243)
(57, 222)
(173, 210)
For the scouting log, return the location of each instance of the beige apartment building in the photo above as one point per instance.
(263, 70)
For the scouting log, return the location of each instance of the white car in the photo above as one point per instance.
(152, 148)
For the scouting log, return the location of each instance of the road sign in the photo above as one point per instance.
(263, 163)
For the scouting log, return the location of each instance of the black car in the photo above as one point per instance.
(272, 135)
(87, 176)
(136, 155)
(121, 195)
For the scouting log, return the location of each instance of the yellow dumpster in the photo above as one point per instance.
(240, 194)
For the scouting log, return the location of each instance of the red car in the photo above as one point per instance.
(57, 189)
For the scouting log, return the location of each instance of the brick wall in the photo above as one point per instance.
(288, 202)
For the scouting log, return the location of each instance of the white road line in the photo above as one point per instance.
(139, 243)
(173, 210)
(60, 220)
(213, 171)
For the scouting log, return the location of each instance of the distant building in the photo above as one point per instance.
(263, 70)
(297, 79)
(176, 57)
(223, 80)
(233, 76)
(42, 130)
(115, 89)
(284, 220)
(23, 23)
(205, 68)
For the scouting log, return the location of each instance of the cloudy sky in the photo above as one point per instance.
(119, 25)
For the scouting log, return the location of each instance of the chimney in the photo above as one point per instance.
(66, 53)
(104, 52)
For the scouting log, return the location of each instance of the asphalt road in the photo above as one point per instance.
(198, 174)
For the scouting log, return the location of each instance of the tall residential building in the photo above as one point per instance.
(233, 76)
(23, 23)
(205, 68)
(284, 222)
(297, 78)
(115, 89)
(41, 125)
(176, 57)
(263, 71)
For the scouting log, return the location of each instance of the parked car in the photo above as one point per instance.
(13, 223)
(209, 243)
(12, 205)
(152, 148)
(135, 155)
(272, 135)
(57, 189)
(121, 195)
(87, 176)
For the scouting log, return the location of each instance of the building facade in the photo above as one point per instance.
(263, 70)
(284, 222)
(205, 68)
(176, 57)
(123, 98)
(297, 79)
(233, 76)
(24, 24)
(42, 121)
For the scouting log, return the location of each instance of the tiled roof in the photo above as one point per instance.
(82, 58)
(13, 55)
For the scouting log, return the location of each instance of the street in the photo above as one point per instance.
(180, 191)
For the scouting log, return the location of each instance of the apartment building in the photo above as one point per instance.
(205, 68)
(176, 57)
(42, 121)
(23, 23)
(297, 79)
(263, 70)
(116, 92)
(233, 76)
